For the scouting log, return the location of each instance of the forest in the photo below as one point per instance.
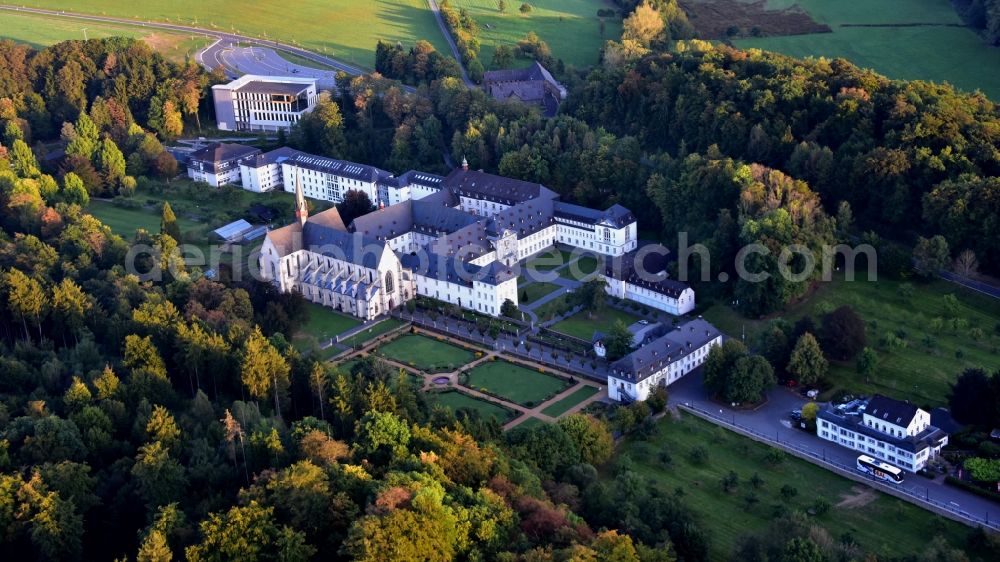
(159, 420)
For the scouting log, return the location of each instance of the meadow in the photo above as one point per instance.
(41, 31)
(879, 523)
(941, 49)
(322, 324)
(345, 29)
(570, 27)
(515, 383)
(931, 358)
(559, 408)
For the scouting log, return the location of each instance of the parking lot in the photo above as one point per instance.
(264, 61)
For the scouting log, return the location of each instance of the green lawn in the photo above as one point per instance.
(917, 372)
(346, 366)
(456, 400)
(124, 221)
(547, 260)
(41, 31)
(373, 332)
(515, 383)
(535, 291)
(547, 310)
(531, 423)
(579, 395)
(943, 54)
(581, 269)
(323, 324)
(570, 27)
(425, 353)
(346, 29)
(580, 325)
(884, 525)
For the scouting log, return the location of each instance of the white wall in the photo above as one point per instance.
(668, 375)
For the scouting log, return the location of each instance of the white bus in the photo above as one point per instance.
(879, 469)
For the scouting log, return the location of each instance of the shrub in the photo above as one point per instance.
(820, 506)
(788, 492)
(698, 455)
(774, 456)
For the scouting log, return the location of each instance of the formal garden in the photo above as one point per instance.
(425, 353)
(514, 383)
(457, 400)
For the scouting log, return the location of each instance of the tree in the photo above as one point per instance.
(801, 550)
(751, 376)
(22, 160)
(355, 204)
(618, 341)
(159, 477)
(503, 57)
(591, 295)
(110, 162)
(509, 309)
(74, 191)
(264, 369)
(382, 436)
(173, 121)
(843, 333)
(719, 364)
(168, 223)
(931, 256)
(966, 263)
(643, 26)
(161, 427)
(807, 363)
(809, 412)
(502, 6)
(525, 8)
(973, 399)
(26, 299)
(591, 436)
(70, 306)
(867, 363)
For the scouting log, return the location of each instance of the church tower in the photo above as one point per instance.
(301, 209)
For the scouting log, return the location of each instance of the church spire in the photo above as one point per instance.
(301, 209)
(465, 164)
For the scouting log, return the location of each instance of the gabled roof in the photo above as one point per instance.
(347, 246)
(275, 156)
(490, 187)
(452, 270)
(532, 73)
(890, 410)
(661, 352)
(615, 216)
(648, 274)
(217, 152)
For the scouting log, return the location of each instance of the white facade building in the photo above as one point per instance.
(219, 163)
(263, 103)
(662, 361)
(891, 430)
(648, 284)
(458, 238)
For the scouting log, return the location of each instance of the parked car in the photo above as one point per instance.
(812, 394)
(796, 415)
(644, 322)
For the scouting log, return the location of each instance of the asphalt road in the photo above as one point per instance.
(432, 4)
(266, 62)
(223, 39)
(772, 419)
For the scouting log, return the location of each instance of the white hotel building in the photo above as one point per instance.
(263, 103)
(891, 430)
(662, 361)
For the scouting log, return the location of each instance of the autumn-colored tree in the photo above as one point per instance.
(26, 299)
(263, 369)
(807, 363)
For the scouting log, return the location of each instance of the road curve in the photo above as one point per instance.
(208, 56)
(432, 4)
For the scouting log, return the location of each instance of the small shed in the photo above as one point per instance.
(233, 231)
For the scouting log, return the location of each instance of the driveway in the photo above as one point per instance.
(772, 420)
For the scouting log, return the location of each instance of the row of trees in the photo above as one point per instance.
(465, 31)
(421, 64)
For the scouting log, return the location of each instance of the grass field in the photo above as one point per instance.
(427, 354)
(937, 52)
(41, 31)
(456, 400)
(917, 372)
(546, 260)
(879, 523)
(530, 423)
(323, 324)
(579, 395)
(570, 27)
(535, 291)
(580, 325)
(382, 327)
(515, 383)
(345, 29)
(124, 222)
